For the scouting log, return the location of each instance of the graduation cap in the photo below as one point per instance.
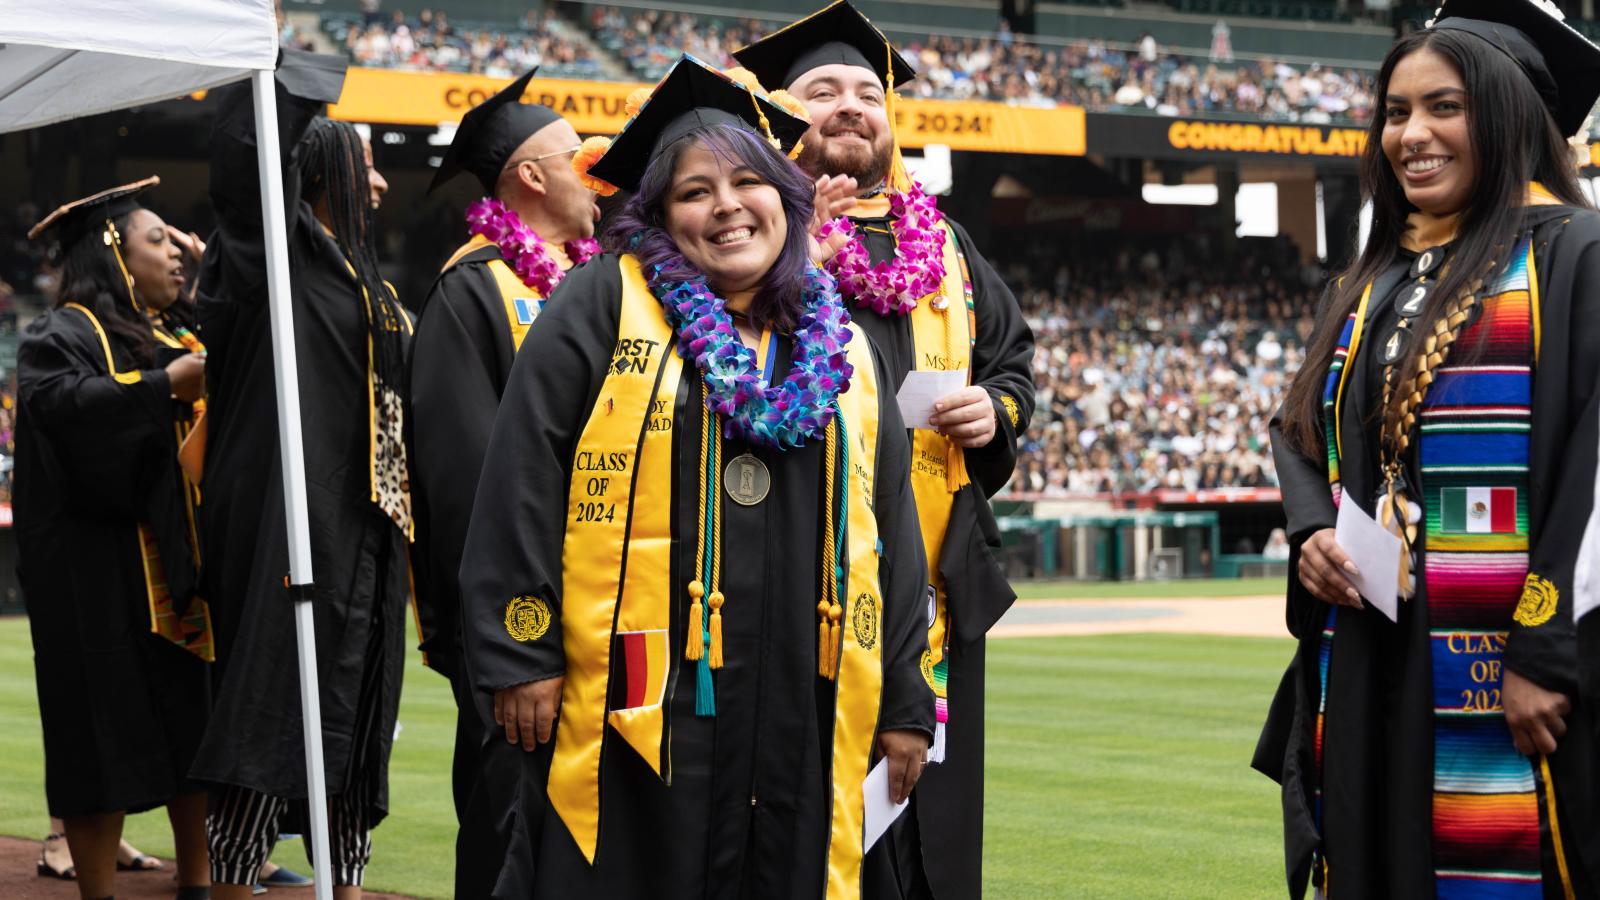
(1562, 64)
(311, 76)
(837, 34)
(74, 221)
(691, 96)
(490, 132)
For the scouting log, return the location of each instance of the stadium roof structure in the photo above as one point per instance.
(62, 59)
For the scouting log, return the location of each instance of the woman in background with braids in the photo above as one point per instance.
(350, 337)
(1450, 392)
(105, 534)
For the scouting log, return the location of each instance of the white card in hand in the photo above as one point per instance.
(880, 810)
(1376, 553)
(921, 389)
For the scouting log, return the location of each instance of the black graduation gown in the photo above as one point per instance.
(747, 813)
(358, 555)
(122, 708)
(949, 798)
(460, 360)
(1378, 762)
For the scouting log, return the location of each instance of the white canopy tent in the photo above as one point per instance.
(60, 59)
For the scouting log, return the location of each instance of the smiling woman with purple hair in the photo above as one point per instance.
(693, 581)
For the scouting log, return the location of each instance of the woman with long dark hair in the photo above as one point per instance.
(106, 536)
(694, 535)
(350, 339)
(1450, 394)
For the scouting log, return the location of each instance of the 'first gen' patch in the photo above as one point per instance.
(527, 618)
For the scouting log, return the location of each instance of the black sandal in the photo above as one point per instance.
(140, 863)
(45, 870)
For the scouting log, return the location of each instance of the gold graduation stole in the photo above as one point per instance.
(860, 675)
(942, 340)
(617, 556)
(618, 593)
(192, 632)
(521, 302)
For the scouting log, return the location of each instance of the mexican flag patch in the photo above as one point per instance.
(1479, 510)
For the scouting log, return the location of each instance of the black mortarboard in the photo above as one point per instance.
(1562, 64)
(692, 95)
(836, 34)
(72, 222)
(312, 76)
(490, 132)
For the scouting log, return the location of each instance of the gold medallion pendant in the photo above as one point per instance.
(746, 480)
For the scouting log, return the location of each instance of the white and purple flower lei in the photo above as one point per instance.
(522, 247)
(894, 286)
(782, 416)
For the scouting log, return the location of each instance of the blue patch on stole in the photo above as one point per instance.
(527, 309)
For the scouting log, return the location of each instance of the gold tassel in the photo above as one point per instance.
(693, 648)
(823, 651)
(899, 178)
(955, 466)
(716, 629)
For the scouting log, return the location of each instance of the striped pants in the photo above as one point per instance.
(242, 827)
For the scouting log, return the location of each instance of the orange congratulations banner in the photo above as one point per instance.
(389, 97)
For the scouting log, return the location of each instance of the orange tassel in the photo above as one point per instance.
(823, 653)
(693, 648)
(955, 467)
(716, 629)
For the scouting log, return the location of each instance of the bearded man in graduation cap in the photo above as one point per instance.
(534, 222)
(932, 303)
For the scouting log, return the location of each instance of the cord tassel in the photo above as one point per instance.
(716, 630)
(955, 466)
(705, 698)
(693, 644)
(824, 650)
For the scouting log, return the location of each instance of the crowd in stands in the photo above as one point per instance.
(1105, 77)
(1005, 68)
(1154, 371)
(429, 41)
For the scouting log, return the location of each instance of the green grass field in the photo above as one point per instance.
(1214, 588)
(1118, 768)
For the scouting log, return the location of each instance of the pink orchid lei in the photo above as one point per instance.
(894, 286)
(522, 247)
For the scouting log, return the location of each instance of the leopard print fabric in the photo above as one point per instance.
(391, 476)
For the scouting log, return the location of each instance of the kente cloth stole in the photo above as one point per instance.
(192, 630)
(522, 303)
(942, 340)
(1473, 452)
(618, 596)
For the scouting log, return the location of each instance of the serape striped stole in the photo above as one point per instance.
(1473, 452)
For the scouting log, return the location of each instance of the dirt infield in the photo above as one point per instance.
(20, 881)
(1239, 616)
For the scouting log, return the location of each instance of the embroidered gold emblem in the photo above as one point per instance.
(865, 621)
(527, 618)
(927, 667)
(1538, 603)
(1010, 404)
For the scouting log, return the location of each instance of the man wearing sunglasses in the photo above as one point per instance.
(534, 222)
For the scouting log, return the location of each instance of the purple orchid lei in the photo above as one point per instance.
(786, 415)
(522, 247)
(894, 286)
